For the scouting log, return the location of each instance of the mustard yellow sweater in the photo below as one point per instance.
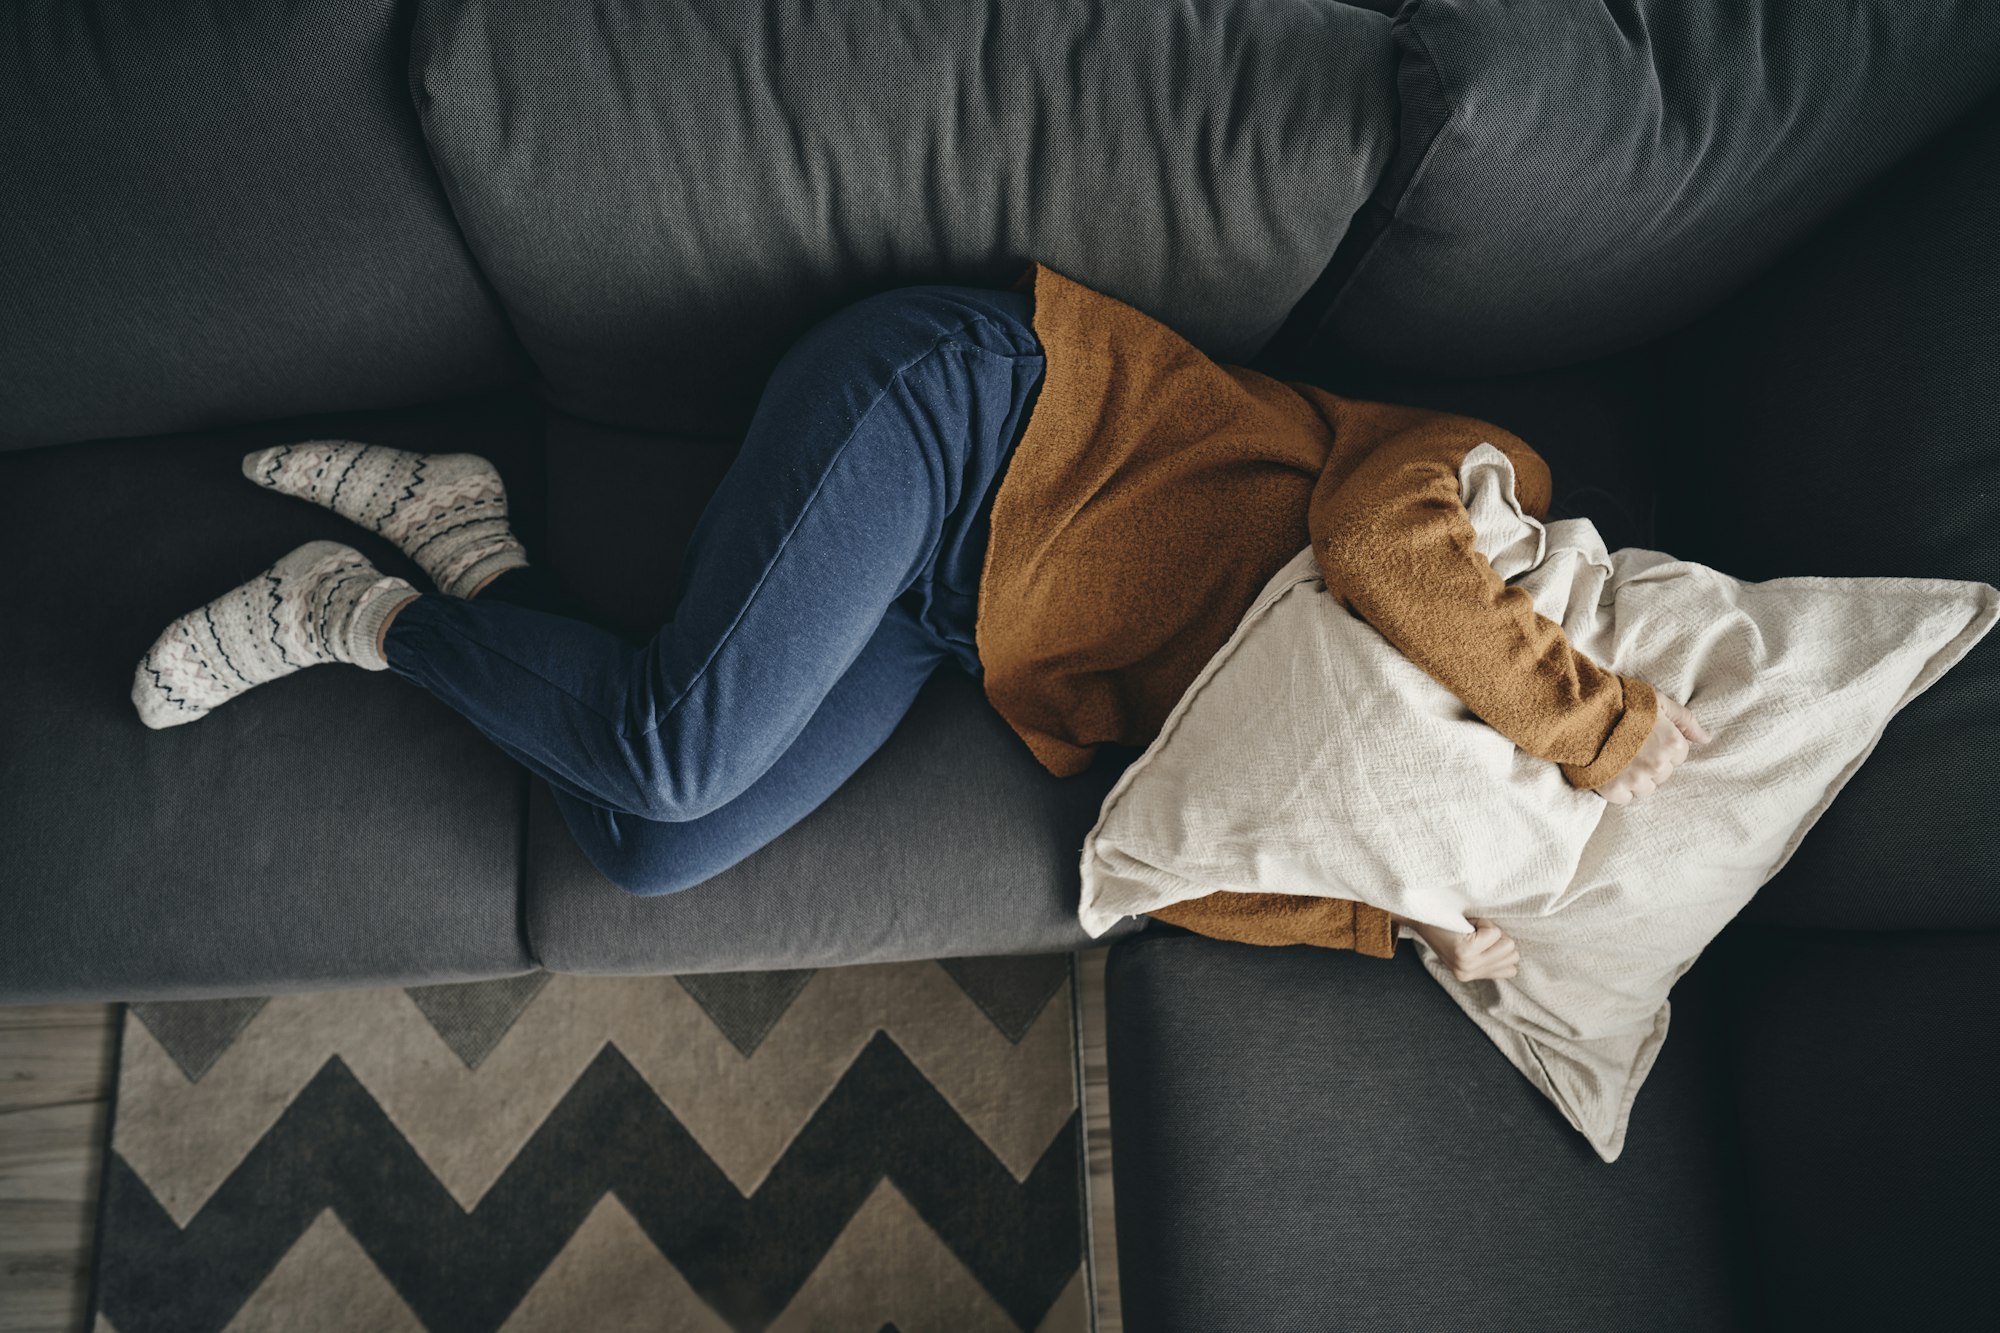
(1153, 494)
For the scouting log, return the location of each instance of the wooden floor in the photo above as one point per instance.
(1097, 1138)
(55, 1090)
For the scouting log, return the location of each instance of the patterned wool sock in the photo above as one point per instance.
(322, 603)
(447, 512)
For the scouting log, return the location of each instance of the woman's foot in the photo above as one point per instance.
(322, 603)
(447, 512)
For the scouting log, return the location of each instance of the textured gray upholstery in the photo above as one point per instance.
(334, 828)
(1867, 1073)
(666, 195)
(221, 212)
(1599, 424)
(1574, 177)
(1310, 1139)
(951, 840)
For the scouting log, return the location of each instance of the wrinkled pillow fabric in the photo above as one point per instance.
(1310, 757)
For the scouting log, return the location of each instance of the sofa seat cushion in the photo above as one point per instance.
(1867, 1074)
(951, 840)
(666, 195)
(334, 827)
(222, 211)
(1842, 417)
(1573, 177)
(1308, 1139)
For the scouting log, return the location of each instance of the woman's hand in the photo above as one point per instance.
(1665, 749)
(1487, 954)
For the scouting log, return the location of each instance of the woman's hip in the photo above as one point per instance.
(945, 376)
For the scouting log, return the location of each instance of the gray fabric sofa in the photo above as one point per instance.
(1733, 273)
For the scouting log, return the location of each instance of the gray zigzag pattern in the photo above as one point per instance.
(472, 1017)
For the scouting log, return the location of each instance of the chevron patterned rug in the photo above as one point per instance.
(894, 1146)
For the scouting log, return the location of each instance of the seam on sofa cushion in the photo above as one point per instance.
(1371, 221)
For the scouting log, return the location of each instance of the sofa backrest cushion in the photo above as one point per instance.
(666, 195)
(1574, 177)
(1855, 389)
(221, 212)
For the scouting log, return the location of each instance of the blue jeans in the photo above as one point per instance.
(835, 568)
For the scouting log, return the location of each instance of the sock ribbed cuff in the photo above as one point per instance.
(371, 608)
(511, 557)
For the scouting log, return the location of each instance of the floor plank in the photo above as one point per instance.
(1097, 1140)
(55, 1091)
(54, 1053)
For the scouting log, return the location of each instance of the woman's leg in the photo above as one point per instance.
(875, 441)
(650, 857)
(534, 587)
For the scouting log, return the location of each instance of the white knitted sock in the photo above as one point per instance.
(447, 512)
(322, 603)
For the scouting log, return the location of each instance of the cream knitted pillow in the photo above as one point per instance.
(1310, 757)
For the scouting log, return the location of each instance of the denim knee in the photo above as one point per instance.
(651, 881)
(907, 322)
(637, 865)
(647, 858)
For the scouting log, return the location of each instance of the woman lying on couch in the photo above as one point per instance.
(1043, 485)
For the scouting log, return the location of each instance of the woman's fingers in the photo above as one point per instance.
(1683, 719)
(1487, 945)
(1487, 953)
(1664, 751)
(1488, 971)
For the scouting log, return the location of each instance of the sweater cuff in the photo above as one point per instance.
(1642, 708)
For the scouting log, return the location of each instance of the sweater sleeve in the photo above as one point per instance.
(1396, 545)
(1284, 918)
